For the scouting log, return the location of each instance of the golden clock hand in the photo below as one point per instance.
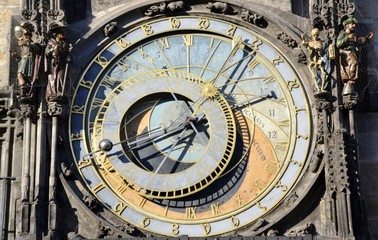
(236, 41)
(170, 150)
(106, 145)
(236, 105)
(147, 140)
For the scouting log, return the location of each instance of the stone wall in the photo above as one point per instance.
(367, 127)
(366, 13)
(7, 9)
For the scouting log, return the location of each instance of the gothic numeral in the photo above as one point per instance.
(78, 109)
(277, 61)
(259, 205)
(146, 222)
(203, 23)
(84, 163)
(256, 44)
(123, 43)
(235, 221)
(231, 30)
(282, 186)
(175, 23)
(175, 229)
(76, 137)
(292, 84)
(147, 29)
(206, 227)
(119, 208)
(86, 84)
(305, 137)
(102, 61)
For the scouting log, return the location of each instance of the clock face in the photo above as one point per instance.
(190, 126)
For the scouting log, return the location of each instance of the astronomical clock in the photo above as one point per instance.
(191, 120)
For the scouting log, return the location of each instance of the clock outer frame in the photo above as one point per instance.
(127, 16)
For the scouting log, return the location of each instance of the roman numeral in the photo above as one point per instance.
(164, 43)
(191, 212)
(215, 209)
(188, 40)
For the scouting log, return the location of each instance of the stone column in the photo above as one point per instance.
(324, 107)
(28, 112)
(55, 110)
(38, 207)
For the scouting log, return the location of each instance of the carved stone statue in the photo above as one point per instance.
(57, 58)
(176, 6)
(250, 17)
(28, 61)
(220, 7)
(348, 44)
(316, 59)
(165, 8)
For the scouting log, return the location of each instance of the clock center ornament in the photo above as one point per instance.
(209, 90)
(190, 126)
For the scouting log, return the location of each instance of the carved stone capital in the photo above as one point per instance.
(29, 14)
(55, 109)
(55, 14)
(345, 9)
(324, 100)
(28, 110)
(350, 101)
